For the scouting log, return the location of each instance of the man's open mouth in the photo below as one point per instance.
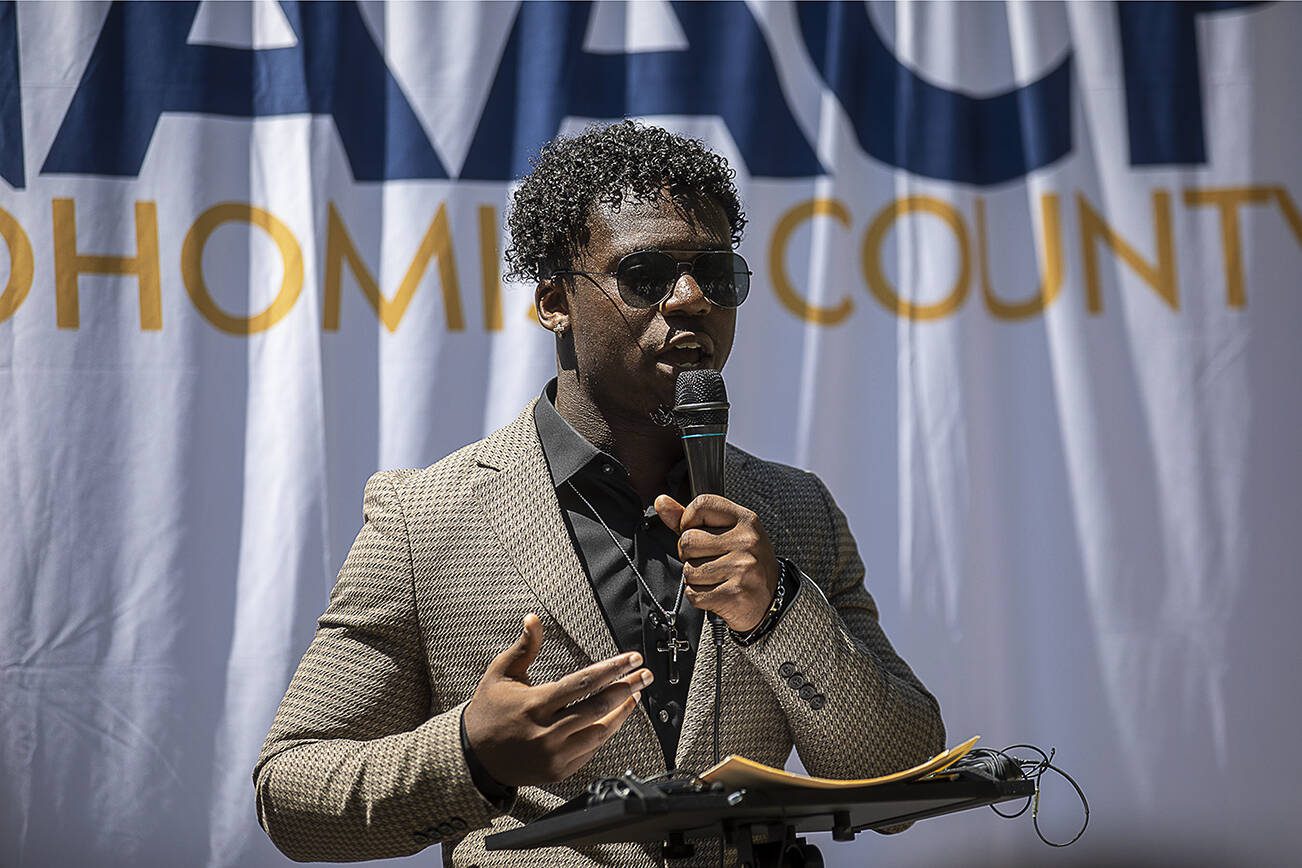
(687, 350)
(686, 354)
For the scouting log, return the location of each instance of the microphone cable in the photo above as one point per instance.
(719, 630)
(1001, 765)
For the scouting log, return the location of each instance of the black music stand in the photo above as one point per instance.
(761, 823)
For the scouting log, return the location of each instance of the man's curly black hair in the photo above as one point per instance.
(622, 162)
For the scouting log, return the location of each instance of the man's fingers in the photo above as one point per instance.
(703, 596)
(588, 741)
(709, 573)
(699, 542)
(602, 703)
(615, 719)
(713, 587)
(670, 511)
(516, 658)
(588, 680)
(711, 510)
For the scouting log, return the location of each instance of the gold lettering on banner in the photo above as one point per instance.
(881, 287)
(437, 242)
(70, 263)
(786, 292)
(1161, 275)
(490, 275)
(1050, 280)
(21, 265)
(1227, 201)
(291, 255)
(1291, 214)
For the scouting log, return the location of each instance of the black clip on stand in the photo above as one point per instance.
(741, 818)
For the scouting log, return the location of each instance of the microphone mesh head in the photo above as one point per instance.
(701, 387)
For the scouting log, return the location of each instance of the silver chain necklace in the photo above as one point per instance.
(672, 646)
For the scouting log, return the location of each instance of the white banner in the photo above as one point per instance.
(1026, 297)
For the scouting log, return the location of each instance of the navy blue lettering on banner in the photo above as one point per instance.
(546, 76)
(1164, 96)
(907, 122)
(142, 66)
(12, 168)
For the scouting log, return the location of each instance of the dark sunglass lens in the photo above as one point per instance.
(723, 277)
(645, 278)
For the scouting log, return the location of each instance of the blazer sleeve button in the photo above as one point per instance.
(786, 670)
(807, 691)
(796, 680)
(817, 701)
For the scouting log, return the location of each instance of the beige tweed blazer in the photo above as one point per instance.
(364, 758)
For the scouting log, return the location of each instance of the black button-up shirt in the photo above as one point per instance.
(639, 533)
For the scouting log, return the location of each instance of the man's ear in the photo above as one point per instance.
(552, 305)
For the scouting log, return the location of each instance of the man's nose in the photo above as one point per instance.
(686, 298)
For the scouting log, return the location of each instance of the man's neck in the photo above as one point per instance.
(647, 450)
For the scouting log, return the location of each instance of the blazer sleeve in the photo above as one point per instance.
(855, 709)
(354, 766)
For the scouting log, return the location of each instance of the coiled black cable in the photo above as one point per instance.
(997, 765)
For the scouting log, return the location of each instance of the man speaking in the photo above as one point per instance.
(529, 614)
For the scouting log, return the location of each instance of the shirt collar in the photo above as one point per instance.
(567, 451)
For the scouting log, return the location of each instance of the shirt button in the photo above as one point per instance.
(664, 716)
(606, 468)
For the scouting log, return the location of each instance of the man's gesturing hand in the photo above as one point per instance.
(524, 733)
(727, 558)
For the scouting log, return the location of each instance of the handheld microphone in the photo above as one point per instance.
(701, 412)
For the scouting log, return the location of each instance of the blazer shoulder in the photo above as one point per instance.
(772, 478)
(460, 467)
(401, 481)
(793, 504)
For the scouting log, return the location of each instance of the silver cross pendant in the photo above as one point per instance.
(673, 646)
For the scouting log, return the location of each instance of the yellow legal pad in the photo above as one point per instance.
(737, 771)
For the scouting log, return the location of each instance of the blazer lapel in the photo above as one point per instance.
(519, 502)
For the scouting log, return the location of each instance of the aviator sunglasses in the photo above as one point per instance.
(646, 278)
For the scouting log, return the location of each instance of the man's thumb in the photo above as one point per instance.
(516, 658)
(670, 512)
